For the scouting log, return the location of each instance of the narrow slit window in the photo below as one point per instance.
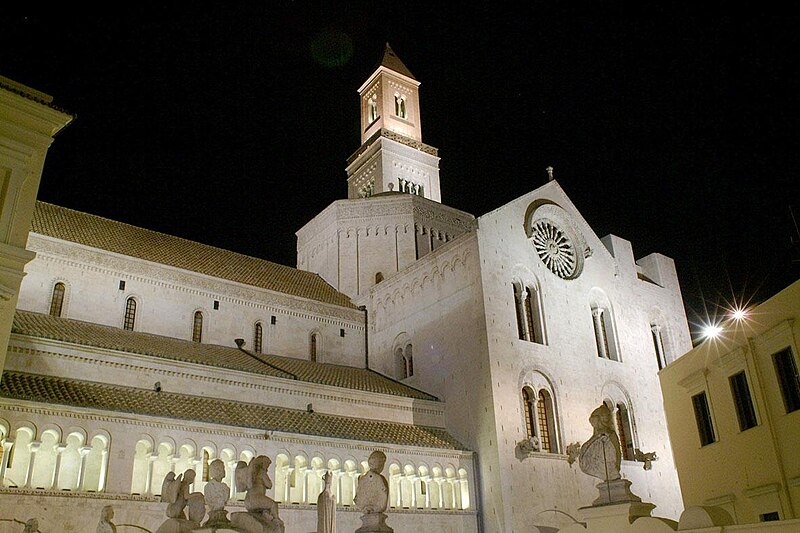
(130, 314)
(527, 404)
(258, 337)
(197, 327)
(57, 300)
(544, 414)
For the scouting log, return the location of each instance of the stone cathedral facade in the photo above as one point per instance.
(470, 350)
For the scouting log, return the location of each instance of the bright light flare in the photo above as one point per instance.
(739, 314)
(712, 331)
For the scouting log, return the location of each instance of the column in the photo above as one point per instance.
(83, 451)
(33, 447)
(597, 316)
(7, 446)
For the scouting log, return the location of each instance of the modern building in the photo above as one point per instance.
(470, 350)
(733, 411)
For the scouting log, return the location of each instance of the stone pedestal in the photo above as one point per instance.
(374, 522)
(615, 491)
(613, 517)
(252, 523)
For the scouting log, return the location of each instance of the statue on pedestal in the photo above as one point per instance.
(262, 511)
(175, 491)
(372, 496)
(600, 457)
(105, 525)
(216, 494)
(326, 507)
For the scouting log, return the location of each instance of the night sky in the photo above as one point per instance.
(672, 126)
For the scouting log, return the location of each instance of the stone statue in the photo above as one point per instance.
(105, 525)
(372, 496)
(262, 511)
(600, 457)
(216, 494)
(326, 507)
(175, 492)
(31, 526)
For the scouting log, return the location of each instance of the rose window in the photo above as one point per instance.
(554, 248)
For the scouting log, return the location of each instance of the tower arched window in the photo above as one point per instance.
(400, 106)
(401, 370)
(258, 337)
(57, 300)
(130, 314)
(372, 109)
(197, 327)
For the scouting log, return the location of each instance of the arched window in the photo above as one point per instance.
(258, 337)
(314, 346)
(604, 333)
(527, 404)
(408, 356)
(539, 412)
(372, 109)
(401, 370)
(378, 277)
(130, 314)
(625, 433)
(197, 327)
(658, 345)
(400, 106)
(57, 300)
(530, 326)
(544, 412)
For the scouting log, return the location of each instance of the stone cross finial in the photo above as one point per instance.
(549, 173)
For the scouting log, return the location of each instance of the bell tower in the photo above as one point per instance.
(392, 156)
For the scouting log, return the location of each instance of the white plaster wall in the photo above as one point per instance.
(167, 299)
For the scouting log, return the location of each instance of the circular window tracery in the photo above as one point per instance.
(555, 249)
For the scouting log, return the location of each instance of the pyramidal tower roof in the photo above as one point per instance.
(392, 62)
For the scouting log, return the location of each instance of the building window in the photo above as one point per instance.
(372, 109)
(544, 412)
(770, 517)
(408, 355)
(314, 346)
(341, 332)
(529, 314)
(197, 327)
(625, 432)
(57, 301)
(130, 314)
(702, 416)
(273, 320)
(604, 334)
(216, 304)
(122, 284)
(658, 345)
(745, 411)
(378, 277)
(258, 336)
(786, 369)
(527, 402)
(400, 106)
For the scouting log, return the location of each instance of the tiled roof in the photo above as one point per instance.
(124, 239)
(86, 394)
(108, 337)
